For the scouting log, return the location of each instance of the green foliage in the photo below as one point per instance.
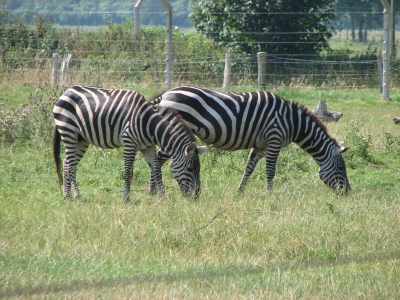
(359, 153)
(111, 55)
(237, 25)
(391, 143)
(23, 36)
(115, 49)
(30, 123)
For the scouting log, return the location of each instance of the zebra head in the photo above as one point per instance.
(185, 169)
(333, 170)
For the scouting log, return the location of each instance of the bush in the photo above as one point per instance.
(31, 123)
(358, 153)
(24, 36)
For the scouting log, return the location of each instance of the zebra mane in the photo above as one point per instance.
(309, 113)
(169, 113)
(175, 118)
(155, 98)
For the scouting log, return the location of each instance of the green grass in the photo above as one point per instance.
(301, 241)
(12, 96)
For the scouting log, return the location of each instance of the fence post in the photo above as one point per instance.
(64, 68)
(156, 76)
(386, 50)
(227, 71)
(168, 44)
(54, 69)
(136, 19)
(380, 75)
(262, 69)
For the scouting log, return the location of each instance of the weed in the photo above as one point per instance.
(359, 151)
(390, 143)
(30, 122)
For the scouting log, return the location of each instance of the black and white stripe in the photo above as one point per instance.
(111, 118)
(262, 122)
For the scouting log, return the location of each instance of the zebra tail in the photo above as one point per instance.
(56, 154)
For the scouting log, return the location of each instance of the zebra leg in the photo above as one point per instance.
(67, 181)
(271, 157)
(74, 153)
(153, 182)
(155, 170)
(129, 159)
(254, 157)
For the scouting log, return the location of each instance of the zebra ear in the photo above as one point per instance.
(190, 149)
(203, 149)
(342, 148)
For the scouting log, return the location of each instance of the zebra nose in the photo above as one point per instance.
(344, 187)
(196, 192)
(347, 187)
(193, 193)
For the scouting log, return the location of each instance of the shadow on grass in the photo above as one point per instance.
(227, 272)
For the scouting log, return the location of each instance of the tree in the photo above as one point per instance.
(364, 14)
(276, 26)
(100, 12)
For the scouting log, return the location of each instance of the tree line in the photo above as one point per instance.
(284, 26)
(350, 14)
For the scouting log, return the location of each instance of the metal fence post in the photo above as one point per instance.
(386, 50)
(380, 75)
(156, 76)
(168, 44)
(168, 41)
(136, 19)
(262, 69)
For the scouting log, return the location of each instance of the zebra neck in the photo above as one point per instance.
(170, 134)
(312, 136)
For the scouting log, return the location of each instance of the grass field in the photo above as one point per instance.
(301, 241)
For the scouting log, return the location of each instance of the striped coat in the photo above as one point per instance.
(262, 122)
(111, 118)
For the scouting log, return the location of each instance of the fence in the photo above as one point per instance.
(240, 70)
(117, 59)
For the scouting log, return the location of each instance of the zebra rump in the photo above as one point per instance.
(262, 122)
(111, 118)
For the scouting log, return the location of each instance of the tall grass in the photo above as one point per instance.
(300, 241)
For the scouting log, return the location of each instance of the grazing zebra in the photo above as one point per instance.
(111, 118)
(261, 121)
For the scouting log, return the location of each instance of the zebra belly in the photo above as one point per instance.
(235, 143)
(107, 137)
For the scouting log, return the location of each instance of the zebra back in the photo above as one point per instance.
(111, 118)
(261, 121)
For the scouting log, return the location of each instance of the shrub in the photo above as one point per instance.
(358, 153)
(31, 122)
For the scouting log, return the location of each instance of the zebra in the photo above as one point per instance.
(111, 118)
(262, 122)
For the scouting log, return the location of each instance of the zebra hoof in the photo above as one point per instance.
(241, 189)
(67, 198)
(152, 192)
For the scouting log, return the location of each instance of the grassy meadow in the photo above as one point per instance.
(300, 241)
